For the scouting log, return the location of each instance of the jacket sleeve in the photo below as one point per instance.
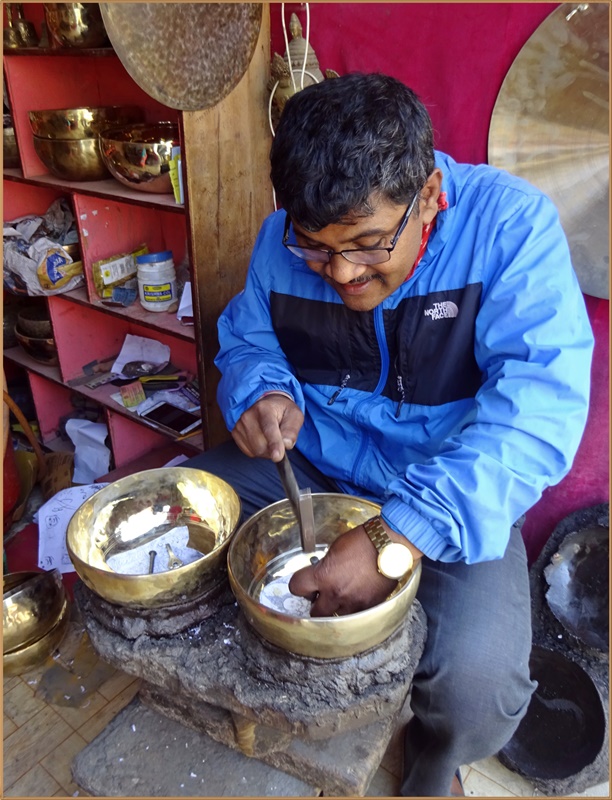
(250, 358)
(533, 344)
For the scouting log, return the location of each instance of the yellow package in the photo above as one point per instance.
(56, 269)
(115, 271)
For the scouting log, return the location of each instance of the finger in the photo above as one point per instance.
(326, 605)
(304, 583)
(290, 425)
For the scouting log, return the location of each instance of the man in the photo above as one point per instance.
(411, 331)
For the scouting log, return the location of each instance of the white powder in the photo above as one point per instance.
(136, 560)
(276, 595)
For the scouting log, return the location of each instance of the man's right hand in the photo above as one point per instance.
(269, 427)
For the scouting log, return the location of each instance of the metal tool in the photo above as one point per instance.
(173, 561)
(152, 554)
(301, 502)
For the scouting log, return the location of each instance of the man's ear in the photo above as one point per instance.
(429, 196)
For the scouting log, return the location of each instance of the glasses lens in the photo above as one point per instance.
(309, 253)
(366, 256)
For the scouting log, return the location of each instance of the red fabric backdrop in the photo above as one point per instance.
(455, 56)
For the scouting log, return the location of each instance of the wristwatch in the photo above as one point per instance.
(394, 559)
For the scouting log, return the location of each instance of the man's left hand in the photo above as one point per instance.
(347, 579)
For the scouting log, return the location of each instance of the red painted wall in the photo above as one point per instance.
(455, 56)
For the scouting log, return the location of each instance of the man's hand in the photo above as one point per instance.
(269, 427)
(347, 579)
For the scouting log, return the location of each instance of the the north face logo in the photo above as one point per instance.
(442, 310)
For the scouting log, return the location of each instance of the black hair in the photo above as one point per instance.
(341, 141)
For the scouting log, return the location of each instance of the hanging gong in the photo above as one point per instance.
(550, 125)
(186, 55)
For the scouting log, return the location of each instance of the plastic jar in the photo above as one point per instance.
(156, 280)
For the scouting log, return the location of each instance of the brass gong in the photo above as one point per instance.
(550, 125)
(185, 55)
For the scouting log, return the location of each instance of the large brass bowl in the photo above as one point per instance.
(269, 539)
(76, 24)
(137, 510)
(31, 607)
(139, 155)
(71, 160)
(80, 123)
(26, 658)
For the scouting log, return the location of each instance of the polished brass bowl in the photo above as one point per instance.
(265, 544)
(139, 155)
(71, 160)
(36, 653)
(80, 123)
(137, 510)
(41, 349)
(76, 24)
(32, 605)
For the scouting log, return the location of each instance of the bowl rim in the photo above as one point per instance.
(105, 133)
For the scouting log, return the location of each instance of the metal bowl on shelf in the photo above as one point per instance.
(71, 160)
(41, 349)
(32, 605)
(129, 516)
(80, 123)
(34, 321)
(139, 155)
(76, 24)
(268, 545)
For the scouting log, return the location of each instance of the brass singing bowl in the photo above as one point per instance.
(32, 605)
(269, 539)
(76, 24)
(36, 653)
(139, 155)
(138, 509)
(71, 159)
(80, 123)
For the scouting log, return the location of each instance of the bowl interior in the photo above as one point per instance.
(147, 133)
(111, 536)
(267, 547)
(32, 604)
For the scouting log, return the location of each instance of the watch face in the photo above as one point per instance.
(394, 560)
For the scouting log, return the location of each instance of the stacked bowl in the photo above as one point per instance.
(35, 619)
(66, 139)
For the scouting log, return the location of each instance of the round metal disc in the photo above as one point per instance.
(185, 55)
(550, 125)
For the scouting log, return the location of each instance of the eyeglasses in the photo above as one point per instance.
(362, 255)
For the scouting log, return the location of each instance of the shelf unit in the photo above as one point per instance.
(227, 195)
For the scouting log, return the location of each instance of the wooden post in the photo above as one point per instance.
(228, 195)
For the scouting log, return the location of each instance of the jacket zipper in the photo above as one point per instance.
(384, 371)
(342, 386)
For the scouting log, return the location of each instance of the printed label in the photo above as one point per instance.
(157, 292)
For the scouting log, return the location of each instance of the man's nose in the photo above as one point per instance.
(342, 271)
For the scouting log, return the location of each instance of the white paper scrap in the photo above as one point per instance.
(53, 519)
(91, 455)
(185, 308)
(140, 348)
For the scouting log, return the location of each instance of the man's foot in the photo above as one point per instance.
(457, 786)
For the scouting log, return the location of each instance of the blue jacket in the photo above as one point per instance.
(456, 401)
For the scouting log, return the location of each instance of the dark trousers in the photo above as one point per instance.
(472, 685)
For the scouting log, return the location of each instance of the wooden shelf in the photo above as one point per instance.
(136, 313)
(100, 395)
(95, 52)
(112, 189)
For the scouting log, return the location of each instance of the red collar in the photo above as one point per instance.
(427, 229)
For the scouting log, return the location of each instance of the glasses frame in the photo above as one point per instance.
(300, 251)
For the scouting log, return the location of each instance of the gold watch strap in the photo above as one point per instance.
(377, 533)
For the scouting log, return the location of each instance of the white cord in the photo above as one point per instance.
(287, 46)
(306, 44)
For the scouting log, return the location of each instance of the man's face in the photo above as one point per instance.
(363, 287)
